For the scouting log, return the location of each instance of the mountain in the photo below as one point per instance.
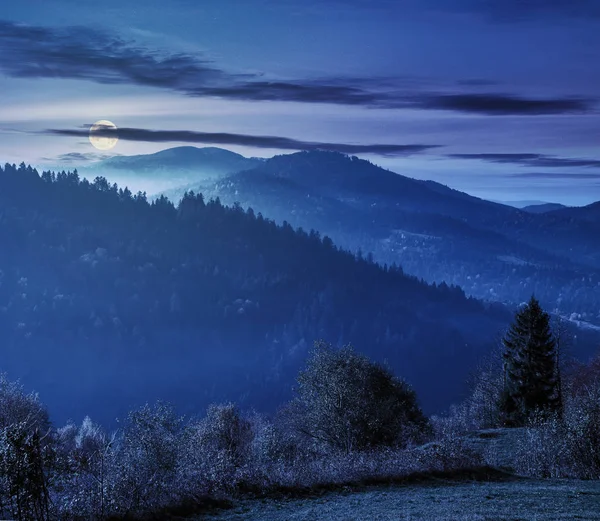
(207, 162)
(493, 251)
(589, 213)
(543, 207)
(521, 204)
(169, 168)
(108, 300)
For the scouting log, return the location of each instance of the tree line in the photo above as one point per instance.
(106, 277)
(345, 412)
(350, 420)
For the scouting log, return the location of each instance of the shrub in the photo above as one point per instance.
(215, 449)
(448, 454)
(347, 403)
(567, 446)
(16, 407)
(25, 453)
(84, 473)
(582, 418)
(543, 451)
(146, 459)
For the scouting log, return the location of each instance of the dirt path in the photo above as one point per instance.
(522, 500)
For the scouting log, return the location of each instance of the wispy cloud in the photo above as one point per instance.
(85, 53)
(535, 160)
(502, 104)
(554, 175)
(89, 54)
(495, 10)
(267, 142)
(79, 157)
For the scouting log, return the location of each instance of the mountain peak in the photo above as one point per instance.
(188, 150)
(189, 162)
(183, 153)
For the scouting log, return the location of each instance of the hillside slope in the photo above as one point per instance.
(590, 213)
(526, 500)
(493, 251)
(128, 301)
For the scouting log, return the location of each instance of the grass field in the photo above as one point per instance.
(494, 495)
(436, 500)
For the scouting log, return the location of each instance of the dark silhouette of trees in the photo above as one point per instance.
(530, 366)
(88, 268)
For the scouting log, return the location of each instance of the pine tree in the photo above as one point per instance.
(530, 373)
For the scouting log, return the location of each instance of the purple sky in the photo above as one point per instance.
(500, 98)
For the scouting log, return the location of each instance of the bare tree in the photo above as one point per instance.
(346, 402)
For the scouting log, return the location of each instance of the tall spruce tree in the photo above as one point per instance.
(530, 372)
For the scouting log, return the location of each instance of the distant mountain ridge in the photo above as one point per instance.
(590, 213)
(521, 204)
(544, 207)
(492, 250)
(201, 303)
(209, 160)
(170, 168)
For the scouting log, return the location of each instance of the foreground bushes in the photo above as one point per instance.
(158, 462)
(560, 444)
(346, 402)
(25, 453)
(567, 446)
(338, 430)
(352, 420)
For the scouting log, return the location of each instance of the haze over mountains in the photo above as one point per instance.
(529, 204)
(493, 251)
(127, 301)
(170, 168)
(199, 303)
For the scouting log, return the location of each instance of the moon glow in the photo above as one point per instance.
(103, 135)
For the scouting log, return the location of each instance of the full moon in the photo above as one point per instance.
(98, 135)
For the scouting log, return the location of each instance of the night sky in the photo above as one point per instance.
(498, 98)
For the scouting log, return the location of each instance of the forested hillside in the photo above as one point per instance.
(492, 251)
(127, 301)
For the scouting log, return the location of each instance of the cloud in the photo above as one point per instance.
(501, 104)
(269, 142)
(85, 53)
(484, 104)
(80, 157)
(536, 160)
(554, 175)
(494, 10)
(89, 54)
(299, 91)
(477, 82)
